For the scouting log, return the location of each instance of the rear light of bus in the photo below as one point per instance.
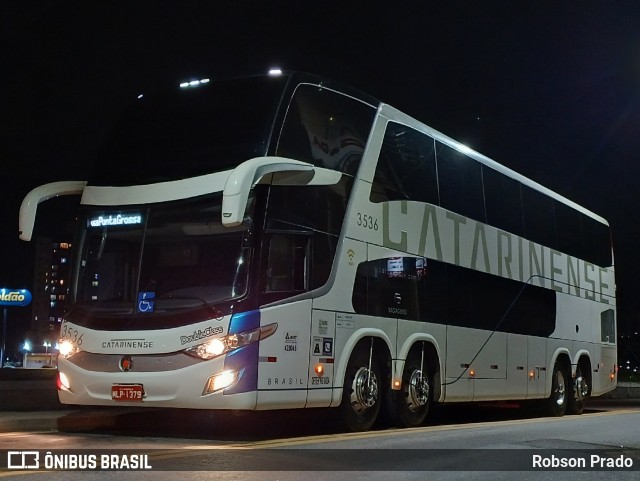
(217, 347)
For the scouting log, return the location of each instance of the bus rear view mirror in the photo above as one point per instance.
(44, 192)
(250, 172)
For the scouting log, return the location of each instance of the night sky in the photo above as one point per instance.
(551, 91)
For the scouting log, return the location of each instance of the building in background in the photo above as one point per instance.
(50, 289)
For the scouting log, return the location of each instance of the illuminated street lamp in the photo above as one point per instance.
(26, 347)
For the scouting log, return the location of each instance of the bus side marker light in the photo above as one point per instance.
(396, 384)
(319, 369)
(472, 373)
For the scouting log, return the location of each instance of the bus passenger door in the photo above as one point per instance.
(283, 371)
(284, 357)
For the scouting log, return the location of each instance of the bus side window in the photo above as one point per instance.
(288, 263)
(596, 242)
(406, 168)
(312, 211)
(539, 217)
(391, 287)
(460, 183)
(325, 128)
(503, 201)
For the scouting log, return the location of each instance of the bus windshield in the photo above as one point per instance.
(190, 132)
(161, 258)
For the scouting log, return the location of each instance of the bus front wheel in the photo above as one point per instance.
(361, 395)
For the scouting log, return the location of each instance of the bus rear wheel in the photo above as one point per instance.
(559, 399)
(579, 391)
(361, 395)
(414, 398)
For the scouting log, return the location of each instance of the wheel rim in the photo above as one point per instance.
(417, 390)
(365, 390)
(560, 388)
(582, 388)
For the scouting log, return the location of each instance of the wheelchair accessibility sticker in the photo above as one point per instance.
(146, 302)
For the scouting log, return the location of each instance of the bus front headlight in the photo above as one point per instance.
(217, 347)
(66, 348)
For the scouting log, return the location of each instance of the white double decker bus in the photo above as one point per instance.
(281, 241)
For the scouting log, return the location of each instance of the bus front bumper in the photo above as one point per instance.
(199, 386)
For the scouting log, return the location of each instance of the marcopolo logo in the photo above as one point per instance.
(15, 297)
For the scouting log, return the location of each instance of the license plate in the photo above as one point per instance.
(127, 392)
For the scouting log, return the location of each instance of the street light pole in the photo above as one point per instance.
(4, 336)
(26, 347)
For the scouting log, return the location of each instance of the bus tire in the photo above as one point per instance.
(412, 401)
(578, 393)
(361, 394)
(559, 399)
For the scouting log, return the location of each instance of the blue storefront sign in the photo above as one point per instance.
(15, 297)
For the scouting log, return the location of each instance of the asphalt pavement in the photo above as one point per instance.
(88, 418)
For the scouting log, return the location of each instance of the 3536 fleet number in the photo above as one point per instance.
(367, 221)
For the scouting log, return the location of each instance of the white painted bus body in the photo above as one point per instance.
(303, 363)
